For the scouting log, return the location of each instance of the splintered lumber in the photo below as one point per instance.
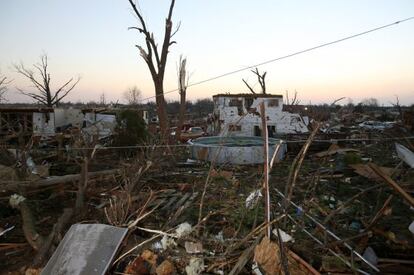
(393, 184)
(29, 229)
(245, 256)
(334, 149)
(367, 172)
(51, 181)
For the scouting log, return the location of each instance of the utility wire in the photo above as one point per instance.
(189, 145)
(286, 56)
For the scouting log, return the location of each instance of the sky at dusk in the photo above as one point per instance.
(91, 39)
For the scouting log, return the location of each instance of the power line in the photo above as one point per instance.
(190, 145)
(287, 56)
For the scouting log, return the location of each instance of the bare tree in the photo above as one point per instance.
(396, 105)
(3, 87)
(183, 78)
(44, 94)
(294, 101)
(370, 102)
(133, 96)
(260, 78)
(102, 99)
(156, 59)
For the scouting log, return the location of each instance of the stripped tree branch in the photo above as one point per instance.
(156, 60)
(44, 94)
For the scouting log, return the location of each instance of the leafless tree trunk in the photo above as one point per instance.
(396, 105)
(260, 78)
(294, 101)
(102, 99)
(3, 87)
(157, 60)
(44, 94)
(182, 86)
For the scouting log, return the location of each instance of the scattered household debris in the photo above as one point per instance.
(195, 267)
(4, 231)
(348, 207)
(193, 248)
(405, 154)
(253, 199)
(284, 236)
(335, 149)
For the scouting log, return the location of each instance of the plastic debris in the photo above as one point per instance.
(411, 227)
(370, 256)
(405, 154)
(283, 235)
(167, 242)
(15, 200)
(256, 269)
(299, 211)
(183, 230)
(4, 231)
(157, 246)
(31, 165)
(219, 237)
(355, 226)
(195, 267)
(253, 198)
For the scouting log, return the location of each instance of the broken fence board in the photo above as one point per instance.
(393, 184)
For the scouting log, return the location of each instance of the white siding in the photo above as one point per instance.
(283, 122)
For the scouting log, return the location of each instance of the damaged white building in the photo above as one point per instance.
(239, 115)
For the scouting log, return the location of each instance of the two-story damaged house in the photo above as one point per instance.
(239, 115)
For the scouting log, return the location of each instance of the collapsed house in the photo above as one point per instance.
(239, 114)
(44, 123)
(93, 121)
(36, 122)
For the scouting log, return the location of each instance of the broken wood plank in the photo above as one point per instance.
(245, 256)
(393, 184)
(335, 150)
(366, 171)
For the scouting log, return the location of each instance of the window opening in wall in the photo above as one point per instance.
(248, 102)
(271, 131)
(237, 103)
(273, 103)
(257, 131)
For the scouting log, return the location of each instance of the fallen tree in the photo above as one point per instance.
(51, 181)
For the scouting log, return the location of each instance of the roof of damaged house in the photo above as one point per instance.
(249, 95)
